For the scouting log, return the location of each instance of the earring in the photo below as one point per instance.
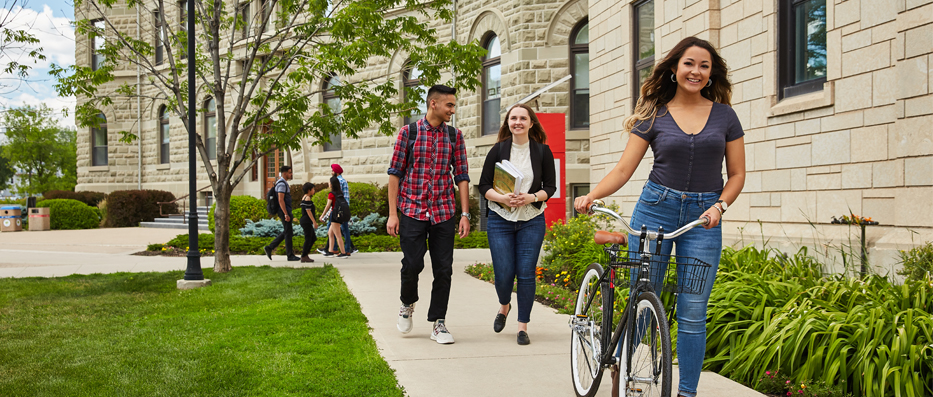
(673, 79)
(709, 82)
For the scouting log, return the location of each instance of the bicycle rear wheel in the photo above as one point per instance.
(646, 354)
(590, 331)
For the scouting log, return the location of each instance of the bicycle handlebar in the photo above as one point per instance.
(599, 206)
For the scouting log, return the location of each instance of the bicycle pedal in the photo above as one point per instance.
(582, 316)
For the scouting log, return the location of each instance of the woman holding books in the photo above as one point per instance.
(515, 227)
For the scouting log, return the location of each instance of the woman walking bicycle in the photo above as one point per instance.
(684, 113)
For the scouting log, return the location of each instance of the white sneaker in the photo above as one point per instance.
(404, 318)
(440, 333)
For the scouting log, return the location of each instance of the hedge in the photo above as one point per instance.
(127, 208)
(90, 198)
(68, 214)
(365, 243)
(241, 209)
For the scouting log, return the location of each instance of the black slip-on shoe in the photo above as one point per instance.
(499, 323)
(523, 338)
(268, 252)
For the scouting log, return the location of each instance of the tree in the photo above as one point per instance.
(6, 171)
(17, 46)
(43, 152)
(263, 69)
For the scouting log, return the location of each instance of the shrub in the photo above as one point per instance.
(89, 198)
(476, 239)
(242, 208)
(918, 262)
(570, 247)
(126, 208)
(68, 214)
(267, 228)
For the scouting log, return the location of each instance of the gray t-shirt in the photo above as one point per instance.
(281, 186)
(690, 163)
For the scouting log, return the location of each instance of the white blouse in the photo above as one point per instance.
(520, 157)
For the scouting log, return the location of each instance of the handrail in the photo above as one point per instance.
(184, 204)
(599, 206)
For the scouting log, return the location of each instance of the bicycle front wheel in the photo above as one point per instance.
(646, 353)
(590, 331)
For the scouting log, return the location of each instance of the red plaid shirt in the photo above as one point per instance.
(426, 191)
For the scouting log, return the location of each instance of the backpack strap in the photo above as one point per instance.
(413, 136)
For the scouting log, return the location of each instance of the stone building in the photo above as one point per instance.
(836, 98)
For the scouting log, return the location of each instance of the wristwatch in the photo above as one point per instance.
(723, 205)
(467, 215)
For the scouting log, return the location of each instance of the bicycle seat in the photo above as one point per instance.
(604, 237)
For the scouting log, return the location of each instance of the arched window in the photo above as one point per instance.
(333, 102)
(580, 70)
(492, 85)
(163, 136)
(210, 125)
(412, 78)
(99, 141)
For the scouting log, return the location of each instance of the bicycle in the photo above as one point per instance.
(645, 361)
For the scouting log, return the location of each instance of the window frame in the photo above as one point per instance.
(101, 126)
(164, 136)
(785, 55)
(577, 49)
(246, 15)
(408, 82)
(183, 27)
(640, 63)
(97, 59)
(328, 93)
(209, 141)
(487, 64)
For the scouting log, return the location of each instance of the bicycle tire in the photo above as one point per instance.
(590, 334)
(646, 367)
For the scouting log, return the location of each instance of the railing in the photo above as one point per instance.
(184, 204)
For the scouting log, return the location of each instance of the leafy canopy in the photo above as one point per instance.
(43, 152)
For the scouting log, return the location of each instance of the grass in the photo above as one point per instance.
(256, 332)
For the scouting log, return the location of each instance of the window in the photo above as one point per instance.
(159, 40)
(99, 141)
(644, 46)
(266, 9)
(412, 78)
(183, 28)
(580, 70)
(577, 190)
(245, 18)
(802, 47)
(163, 136)
(492, 85)
(97, 59)
(210, 125)
(333, 102)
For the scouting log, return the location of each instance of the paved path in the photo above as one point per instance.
(481, 362)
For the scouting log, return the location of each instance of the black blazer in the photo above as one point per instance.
(542, 164)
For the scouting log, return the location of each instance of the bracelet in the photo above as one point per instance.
(717, 209)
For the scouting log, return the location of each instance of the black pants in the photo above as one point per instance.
(285, 235)
(415, 236)
(310, 237)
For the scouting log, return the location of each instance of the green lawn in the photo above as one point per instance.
(255, 332)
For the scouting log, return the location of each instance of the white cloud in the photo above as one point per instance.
(63, 107)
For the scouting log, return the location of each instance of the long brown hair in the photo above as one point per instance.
(536, 133)
(658, 89)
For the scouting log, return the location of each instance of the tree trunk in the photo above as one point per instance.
(222, 231)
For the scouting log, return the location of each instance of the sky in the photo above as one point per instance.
(50, 22)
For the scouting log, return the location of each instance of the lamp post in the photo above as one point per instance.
(194, 277)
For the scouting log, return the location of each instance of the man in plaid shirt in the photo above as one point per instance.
(421, 206)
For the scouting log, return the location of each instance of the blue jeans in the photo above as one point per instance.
(515, 247)
(345, 233)
(661, 206)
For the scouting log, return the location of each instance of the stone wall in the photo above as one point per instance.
(864, 144)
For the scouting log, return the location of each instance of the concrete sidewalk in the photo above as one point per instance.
(481, 362)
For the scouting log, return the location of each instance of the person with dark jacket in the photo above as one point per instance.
(515, 226)
(308, 222)
(285, 203)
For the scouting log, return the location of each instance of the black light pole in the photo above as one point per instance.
(194, 254)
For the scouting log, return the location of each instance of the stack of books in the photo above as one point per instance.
(507, 179)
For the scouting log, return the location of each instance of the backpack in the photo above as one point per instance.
(272, 200)
(413, 135)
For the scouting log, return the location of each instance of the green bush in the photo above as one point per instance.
(89, 198)
(773, 312)
(241, 209)
(68, 214)
(127, 208)
(918, 262)
(569, 247)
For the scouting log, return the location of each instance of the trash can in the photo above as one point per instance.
(39, 219)
(11, 218)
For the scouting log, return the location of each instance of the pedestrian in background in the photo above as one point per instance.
(338, 212)
(337, 170)
(285, 214)
(307, 221)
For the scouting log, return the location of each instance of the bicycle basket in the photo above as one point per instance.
(677, 274)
